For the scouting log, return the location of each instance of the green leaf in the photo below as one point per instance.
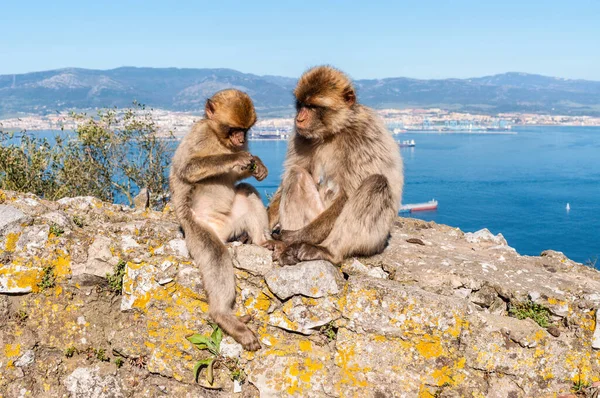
(200, 364)
(209, 372)
(213, 348)
(201, 342)
(197, 339)
(216, 337)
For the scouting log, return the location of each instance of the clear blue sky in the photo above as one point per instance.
(368, 39)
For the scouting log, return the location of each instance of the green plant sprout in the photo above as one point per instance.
(212, 343)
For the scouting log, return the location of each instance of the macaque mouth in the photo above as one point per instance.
(237, 137)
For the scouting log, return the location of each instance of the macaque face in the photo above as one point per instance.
(237, 137)
(310, 120)
(231, 114)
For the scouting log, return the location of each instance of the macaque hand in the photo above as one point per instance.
(243, 161)
(258, 168)
(286, 236)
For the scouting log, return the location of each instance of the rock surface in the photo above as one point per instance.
(435, 315)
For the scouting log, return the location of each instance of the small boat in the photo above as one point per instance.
(407, 144)
(431, 205)
(568, 207)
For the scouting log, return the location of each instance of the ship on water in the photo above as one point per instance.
(407, 144)
(426, 206)
(270, 134)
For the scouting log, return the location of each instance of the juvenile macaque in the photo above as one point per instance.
(212, 208)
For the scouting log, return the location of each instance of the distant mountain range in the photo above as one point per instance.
(187, 89)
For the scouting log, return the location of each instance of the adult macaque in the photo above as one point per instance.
(212, 209)
(343, 177)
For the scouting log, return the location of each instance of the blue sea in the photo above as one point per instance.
(517, 185)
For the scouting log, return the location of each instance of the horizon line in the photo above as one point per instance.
(288, 77)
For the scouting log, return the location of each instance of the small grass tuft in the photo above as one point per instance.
(591, 262)
(69, 352)
(21, 316)
(119, 362)
(529, 309)
(329, 331)
(48, 278)
(579, 386)
(237, 373)
(115, 281)
(101, 355)
(78, 220)
(56, 230)
(138, 362)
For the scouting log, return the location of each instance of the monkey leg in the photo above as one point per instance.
(249, 215)
(361, 229)
(215, 264)
(300, 200)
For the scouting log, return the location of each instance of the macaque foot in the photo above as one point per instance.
(245, 318)
(248, 340)
(236, 328)
(298, 252)
(276, 246)
(242, 238)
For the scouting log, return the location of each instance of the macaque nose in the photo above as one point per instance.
(301, 116)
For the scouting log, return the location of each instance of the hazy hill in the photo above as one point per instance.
(186, 90)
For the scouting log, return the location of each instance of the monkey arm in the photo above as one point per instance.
(273, 209)
(320, 227)
(201, 168)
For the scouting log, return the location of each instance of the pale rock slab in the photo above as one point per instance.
(484, 235)
(312, 279)
(254, 259)
(58, 218)
(11, 218)
(88, 383)
(305, 315)
(81, 202)
(33, 238)
(26, 359)
(100, 262)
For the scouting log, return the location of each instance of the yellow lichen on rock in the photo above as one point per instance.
(12, 350)
(11, 241)
(429, 346)
(413, 321)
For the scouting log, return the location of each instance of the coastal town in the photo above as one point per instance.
(397, 120)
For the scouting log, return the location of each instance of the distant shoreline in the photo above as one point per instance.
(457, 132)
(449, 132)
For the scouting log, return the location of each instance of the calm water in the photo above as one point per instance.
(517, 185)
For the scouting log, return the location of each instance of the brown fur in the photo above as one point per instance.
(211, 208)
(343, 175)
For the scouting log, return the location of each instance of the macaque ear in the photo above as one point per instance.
(349, 96)
(209, 109)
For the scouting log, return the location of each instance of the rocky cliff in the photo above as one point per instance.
(440, 313)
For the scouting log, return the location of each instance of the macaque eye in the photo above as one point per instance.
(234, 130)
